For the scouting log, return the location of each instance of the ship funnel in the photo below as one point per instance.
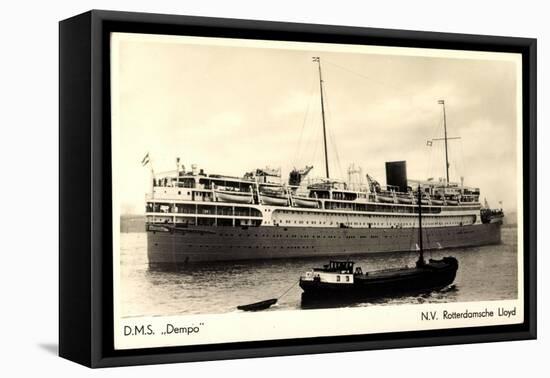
(396, 175)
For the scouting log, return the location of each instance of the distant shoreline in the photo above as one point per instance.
(132, 223)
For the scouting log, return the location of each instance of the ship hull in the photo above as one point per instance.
(207, 244)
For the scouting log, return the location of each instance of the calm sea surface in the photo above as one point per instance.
(484, 273)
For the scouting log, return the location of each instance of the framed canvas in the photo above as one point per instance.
(234, 188)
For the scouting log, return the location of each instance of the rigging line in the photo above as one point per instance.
(298, 147)
(408, 95)
(331, 135)
(430, 162)
(436, 125)
(462, 159)
(456, 168)
(287, 290)
(437, 151)
(309, 138)
(338, 162)
(314, 140)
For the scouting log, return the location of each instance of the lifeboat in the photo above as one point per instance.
(274, 200)
(273, 197)
(387, 199)
(233, 196)
(305, 202)
(406, 200)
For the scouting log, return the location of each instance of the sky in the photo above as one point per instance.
(232, 108)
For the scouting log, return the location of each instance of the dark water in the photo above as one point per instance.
(484, 273)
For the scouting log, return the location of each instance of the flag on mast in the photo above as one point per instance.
(441, 102)
(145, 160)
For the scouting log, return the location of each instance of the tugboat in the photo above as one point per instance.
(489, 215)
(338, 279)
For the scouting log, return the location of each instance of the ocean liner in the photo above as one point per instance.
(193, 216)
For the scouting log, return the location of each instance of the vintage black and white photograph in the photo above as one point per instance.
(267, 189)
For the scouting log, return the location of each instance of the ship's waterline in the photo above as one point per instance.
(205, 244)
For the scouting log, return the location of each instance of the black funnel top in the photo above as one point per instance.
(396, 175)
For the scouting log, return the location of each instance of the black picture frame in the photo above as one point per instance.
(85, 241)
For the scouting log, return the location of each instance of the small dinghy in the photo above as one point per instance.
(258, 306)
(263, 305)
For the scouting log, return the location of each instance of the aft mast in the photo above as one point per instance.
(318, 60)
(442, 102)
